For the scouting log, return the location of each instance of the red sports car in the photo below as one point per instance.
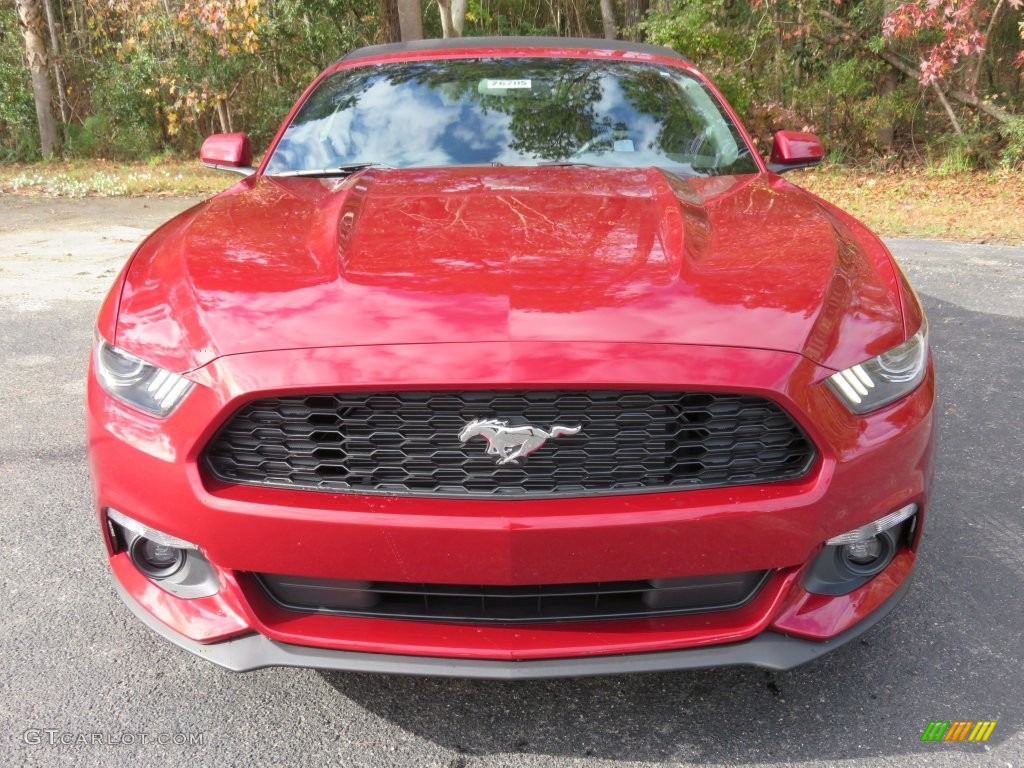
(512, 359)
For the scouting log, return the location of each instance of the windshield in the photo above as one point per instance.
(512, 111)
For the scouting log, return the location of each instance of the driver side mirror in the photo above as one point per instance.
(793, 149)
(228, 152)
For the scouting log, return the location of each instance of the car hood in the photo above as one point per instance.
(560, 254)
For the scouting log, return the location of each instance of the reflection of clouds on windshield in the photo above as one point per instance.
(399, 126)
(646, 132)
(486, 132)
(411, 120)
(414, 115)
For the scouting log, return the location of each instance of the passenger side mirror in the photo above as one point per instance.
(228, 152)
(793, 149)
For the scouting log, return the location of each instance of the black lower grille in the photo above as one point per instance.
(409, 443)
(514, 605)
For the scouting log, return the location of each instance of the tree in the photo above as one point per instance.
(30, 14)
(458, 15)
(390, 29)
(608, 18)
(444, 7)
(410, 18)
(635, 12)
(453, 17)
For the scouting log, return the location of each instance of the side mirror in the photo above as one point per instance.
(228, 152)
(793, 149)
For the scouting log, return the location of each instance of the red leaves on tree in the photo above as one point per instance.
(956, 24)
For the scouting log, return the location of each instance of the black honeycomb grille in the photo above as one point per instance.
(408, 443)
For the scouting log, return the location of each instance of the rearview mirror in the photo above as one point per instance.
(793, 149)
(228, 152)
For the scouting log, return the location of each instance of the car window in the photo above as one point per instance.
(513, 111)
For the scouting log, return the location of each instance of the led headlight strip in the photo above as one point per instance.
(138, 383)
(883, 379)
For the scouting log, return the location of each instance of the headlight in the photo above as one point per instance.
(883, 379)
(138, 383)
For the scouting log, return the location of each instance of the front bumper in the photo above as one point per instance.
(769, 650)
(866, 467)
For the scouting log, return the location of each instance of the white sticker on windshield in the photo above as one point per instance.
(508, 84)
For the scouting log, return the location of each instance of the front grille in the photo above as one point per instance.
(408, 443)
(514, 605)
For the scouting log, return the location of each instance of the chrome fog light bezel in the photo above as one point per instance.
(872, 529)
(141, 529)
(192, 576)
(834, 572)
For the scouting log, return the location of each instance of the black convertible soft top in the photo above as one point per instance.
(457, 43)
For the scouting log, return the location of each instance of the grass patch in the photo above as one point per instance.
(101, 178)
(966, 206)
(983, 207)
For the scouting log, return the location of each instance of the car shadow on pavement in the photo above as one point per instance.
(951, 651)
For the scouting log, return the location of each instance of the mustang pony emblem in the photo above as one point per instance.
(510, 444)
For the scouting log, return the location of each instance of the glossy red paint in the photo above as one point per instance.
(228, 149)
(521, 642)
(482, 278)
(817, 617)
(778, 526)
(796, 148)
(584, 254)
(203, 619)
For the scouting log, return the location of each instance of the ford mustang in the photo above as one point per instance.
(512, 358)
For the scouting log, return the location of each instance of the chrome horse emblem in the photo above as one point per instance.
(510, 444)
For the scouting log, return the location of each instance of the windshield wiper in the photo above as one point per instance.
(339, 170)
(564, 164)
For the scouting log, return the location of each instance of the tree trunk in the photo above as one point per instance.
(447, 25)
(58, 70)
(390, 29)
(635, 12)
(223, 116)
(886, 134)
(972, 79)
(30, 14)
(410, 18)
(458, 16)
(608, 18)
(949, 110)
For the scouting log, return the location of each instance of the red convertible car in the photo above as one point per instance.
(511, 359)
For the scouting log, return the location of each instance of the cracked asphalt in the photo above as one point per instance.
(76, 667)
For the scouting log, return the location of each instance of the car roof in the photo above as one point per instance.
(517, 43)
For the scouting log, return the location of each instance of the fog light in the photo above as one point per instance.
(156, 560)
(176, 565)
(866, 558)
(851, 559)
(863, 552)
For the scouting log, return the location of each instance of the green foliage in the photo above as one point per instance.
(18, 137)
(151, 77)
(715, 34)
(951, 157)
(1012, 154)
(125, 122)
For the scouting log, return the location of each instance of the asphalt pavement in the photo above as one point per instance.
(83, 683)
